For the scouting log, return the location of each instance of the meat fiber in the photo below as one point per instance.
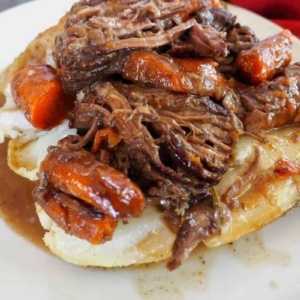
(271, 104)
(99, 35)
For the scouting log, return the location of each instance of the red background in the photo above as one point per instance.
(285, 13)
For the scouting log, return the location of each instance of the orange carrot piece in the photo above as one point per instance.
(38, 92)
(285, 168)
(265, 58)
(79, 174)
(107, 133)
(78, 222)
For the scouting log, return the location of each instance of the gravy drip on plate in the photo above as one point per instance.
(16, 203)
(2, 99)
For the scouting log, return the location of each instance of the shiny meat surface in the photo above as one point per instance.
(207, 41)
(99, 35)
(271, 104)
(217, 17)
(200, 222)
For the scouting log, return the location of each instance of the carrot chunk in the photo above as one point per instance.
(266, 58)
(38, 92)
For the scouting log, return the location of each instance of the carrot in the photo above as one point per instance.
(96, 183)
(75, 218)
(285, 168)
(107, 133)
(37, 91)
(266, 58)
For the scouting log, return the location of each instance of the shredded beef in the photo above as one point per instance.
(197, 137)
(271, 104)
(219, 18)
(200, 222)
(173, 145)
(238, 38)
(99, 35)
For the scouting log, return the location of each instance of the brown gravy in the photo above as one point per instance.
(16, 204)
(2, 99)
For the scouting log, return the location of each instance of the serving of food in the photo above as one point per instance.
(168, 123)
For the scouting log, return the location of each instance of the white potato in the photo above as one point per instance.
(13, 123)
(266, 197)
(143, 240)
(25, 153)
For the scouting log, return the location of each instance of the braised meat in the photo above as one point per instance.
(99, 35)
(200, 222)
(197, 137)
(240, 38)
(217, 17)
(271, 104)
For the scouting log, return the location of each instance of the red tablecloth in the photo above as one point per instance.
(285, 13)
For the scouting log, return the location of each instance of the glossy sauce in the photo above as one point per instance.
(266, 58)
(285, 168)
(2, 99)
(16, 204)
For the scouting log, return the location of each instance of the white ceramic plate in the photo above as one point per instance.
(263, 266)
